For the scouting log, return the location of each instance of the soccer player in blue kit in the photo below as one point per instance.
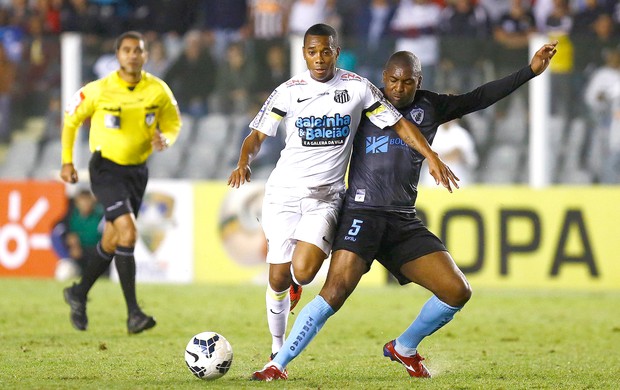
(379, 221)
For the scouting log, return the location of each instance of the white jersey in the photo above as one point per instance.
(320, 119)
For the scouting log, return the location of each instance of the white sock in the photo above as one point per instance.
(278, 307)
(404, 351)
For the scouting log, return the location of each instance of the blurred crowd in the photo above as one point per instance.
(226, 56)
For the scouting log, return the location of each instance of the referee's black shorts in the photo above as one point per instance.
(391, 238)
(119, 188)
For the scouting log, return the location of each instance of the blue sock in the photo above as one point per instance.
(432, 317)
(308, 323)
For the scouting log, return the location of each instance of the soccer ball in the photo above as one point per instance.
(208, 355)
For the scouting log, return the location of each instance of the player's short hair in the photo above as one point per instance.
(131, 35)
(405, 59)
(324, 30)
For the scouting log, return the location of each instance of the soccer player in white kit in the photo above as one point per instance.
(320, 109)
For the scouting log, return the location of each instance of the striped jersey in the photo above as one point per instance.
(123, 117)
(269, 18)
(320, 120)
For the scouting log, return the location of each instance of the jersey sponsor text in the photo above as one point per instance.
(324, 131)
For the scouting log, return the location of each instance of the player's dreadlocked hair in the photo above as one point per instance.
(322, 29)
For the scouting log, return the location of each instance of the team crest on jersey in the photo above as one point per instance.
(417, 115)
(341, 96)
(150, 118)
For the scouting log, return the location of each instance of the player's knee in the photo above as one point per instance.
(303, 275)
(279, 279)
(128, 237)
(460, 294)
(335, 296)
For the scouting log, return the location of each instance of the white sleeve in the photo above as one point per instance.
(272, 112)
(378, 109)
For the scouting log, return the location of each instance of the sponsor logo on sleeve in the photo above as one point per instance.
(75, 102)
(292, 83)
(351, 77)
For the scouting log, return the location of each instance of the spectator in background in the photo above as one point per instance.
(511, 36)
(275, 72)
(107, 62)
(589, 46)
(41, 67)
(75, 238)
(465, 28)
(558, 25)
(269, 26)
(81, 16)
(456, 147)
(372, 41)
(416, 26)
(227, 21)
(495, 8)
(8, 84)
(192, 75)
(19, 13)
(170, 20)
(49, 11)
(113, 15)
(585, 16)
(236, 80)
(306, 13)
(11, 37)
(541, 9)
(53, 118)
(602, 96)
(158, 62)
(164, 16)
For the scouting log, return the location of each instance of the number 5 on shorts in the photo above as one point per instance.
(355, 227)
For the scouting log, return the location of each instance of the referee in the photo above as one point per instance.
(132, 113)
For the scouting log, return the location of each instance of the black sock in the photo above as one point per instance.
(96, 267)
(126, 267)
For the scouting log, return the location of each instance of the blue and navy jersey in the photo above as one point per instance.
(384, 171)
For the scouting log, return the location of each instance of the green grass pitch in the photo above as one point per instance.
(501, 340)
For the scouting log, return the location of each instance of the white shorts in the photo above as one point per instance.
(291, 215)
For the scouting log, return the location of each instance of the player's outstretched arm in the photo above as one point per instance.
(249, 149)
(543, 56)
(412, 136)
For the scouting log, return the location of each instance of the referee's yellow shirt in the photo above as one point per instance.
(123, 116)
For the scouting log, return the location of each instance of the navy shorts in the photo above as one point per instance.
(391, 238)
(119, 188)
